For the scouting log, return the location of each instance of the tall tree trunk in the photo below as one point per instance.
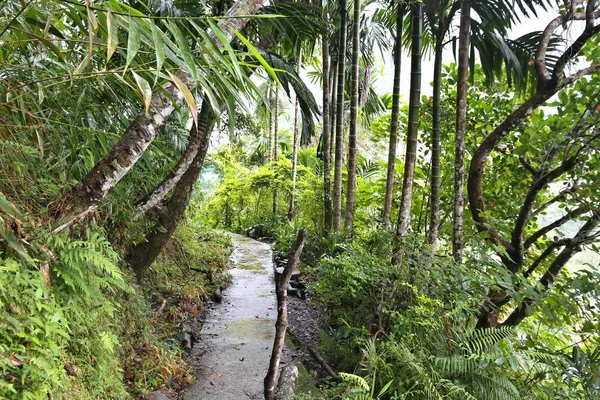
(143, 255)
(84, 197)
(353, 133)
(339, 122)
(332, 110)
(327, 212)
(434, 218)
(276, 142)
(389, 183)
(413, 132)
(295, 148)
(461, 121)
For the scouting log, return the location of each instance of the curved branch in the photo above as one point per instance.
(528, 166)
(536, 187)
(549, 250)
(585, 235)
(559, 222)
(561, 195)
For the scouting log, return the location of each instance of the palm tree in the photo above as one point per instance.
(327, 222)
(413, 131)
(389, 183)
(350, 192)
(339, 122)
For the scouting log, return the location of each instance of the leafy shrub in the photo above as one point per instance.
(33, 334)
(350, 285)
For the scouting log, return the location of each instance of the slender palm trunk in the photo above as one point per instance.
(413, 132)
(143, 255)
(352, 136)
(434, 218)
(296, 139)
(461, 121)
(326, 137)
(332, 110)
(389, 183)
(275, 142)
(271, 121)
(84, 197)
(339, 123)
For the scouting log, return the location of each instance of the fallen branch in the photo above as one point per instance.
(330, 371)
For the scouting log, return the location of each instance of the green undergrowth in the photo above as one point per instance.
(75, 323)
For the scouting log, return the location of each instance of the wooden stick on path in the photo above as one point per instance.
(282, 320)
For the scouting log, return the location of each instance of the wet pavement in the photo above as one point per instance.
(232, 357)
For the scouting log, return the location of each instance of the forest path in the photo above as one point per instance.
(232, 356)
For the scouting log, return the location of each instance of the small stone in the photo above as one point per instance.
(157, 396)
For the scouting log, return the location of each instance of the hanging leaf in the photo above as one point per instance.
(159, 47)
(133, 42)
(256, 54)
(145, 90)
(183, 49)
(113, 35)
(40, 143)
(187, 95)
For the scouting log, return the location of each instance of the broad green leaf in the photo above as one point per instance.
(159, 47)
(187, 95)
(145, 90)
(113, 35)
(256, 54)
(133, 42)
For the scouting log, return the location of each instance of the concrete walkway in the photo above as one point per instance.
(233, 354)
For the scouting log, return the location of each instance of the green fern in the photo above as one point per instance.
(477, 341)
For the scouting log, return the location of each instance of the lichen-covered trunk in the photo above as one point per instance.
(434, 216)
(461, 121)
(143, 255)
(84, 197)
(339, 122)
(327, 211)
(296, 139)
(353, 132)
(389, 182)
(413, 132)
(174, 175)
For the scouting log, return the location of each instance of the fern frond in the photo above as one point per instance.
(482, 340)
(356, 380)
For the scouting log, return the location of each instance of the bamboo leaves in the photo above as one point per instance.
(133, 41)
(159, 47)
(145, 90)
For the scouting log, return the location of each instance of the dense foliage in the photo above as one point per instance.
(429, 288)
